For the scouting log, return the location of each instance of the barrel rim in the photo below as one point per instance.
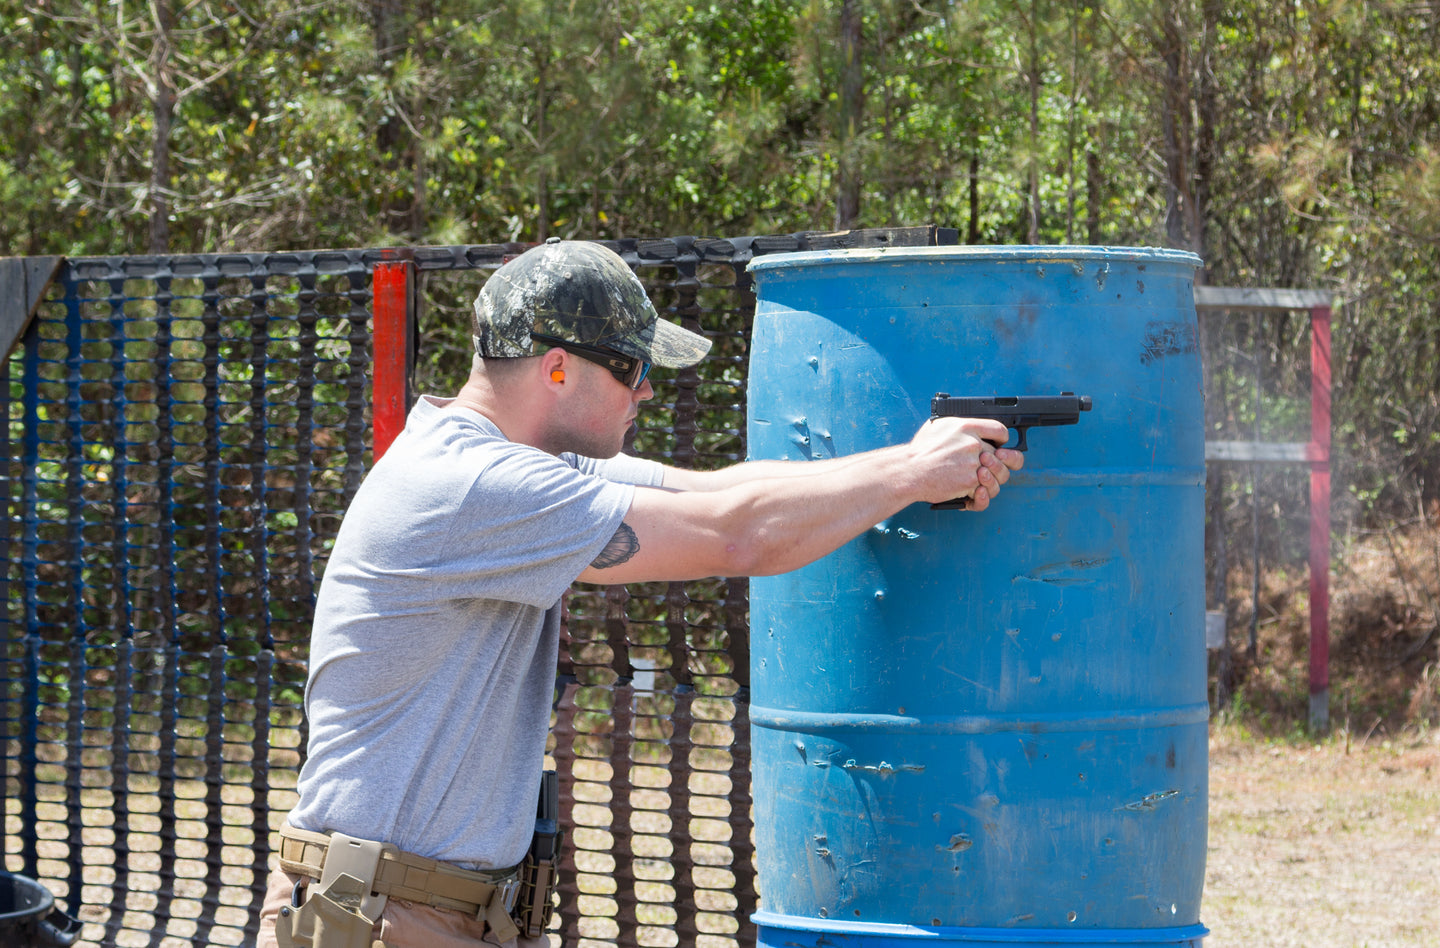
(44, 906)
(1028, 253)
(1175, 935)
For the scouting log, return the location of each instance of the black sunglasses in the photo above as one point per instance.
(628, 370)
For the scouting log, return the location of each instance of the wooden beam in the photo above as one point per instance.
(1262, 451)
(1226, 297)
(23, 282)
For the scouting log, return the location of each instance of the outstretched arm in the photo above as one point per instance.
(677, 478)
(778, 516)
(683, 479)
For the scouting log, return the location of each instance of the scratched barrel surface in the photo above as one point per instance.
(986, 728)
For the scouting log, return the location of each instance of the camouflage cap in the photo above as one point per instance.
(580, 292)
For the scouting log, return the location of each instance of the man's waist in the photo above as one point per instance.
(403, 875)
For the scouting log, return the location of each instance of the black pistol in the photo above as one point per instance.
(1021, 412)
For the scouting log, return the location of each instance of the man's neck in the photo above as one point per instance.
(508, 410)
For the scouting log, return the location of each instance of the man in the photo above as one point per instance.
(437, 623)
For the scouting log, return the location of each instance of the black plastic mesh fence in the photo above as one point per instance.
(185, 433)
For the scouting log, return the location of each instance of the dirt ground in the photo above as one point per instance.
(1312, 845)
(1331, 845)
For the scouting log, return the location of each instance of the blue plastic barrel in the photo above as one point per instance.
(986, 728)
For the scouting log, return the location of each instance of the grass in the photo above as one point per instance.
(1323, 844)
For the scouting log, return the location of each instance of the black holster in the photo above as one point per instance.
(540, 872)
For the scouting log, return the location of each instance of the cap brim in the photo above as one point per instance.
(664, 344)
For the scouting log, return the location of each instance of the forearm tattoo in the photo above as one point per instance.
(622, 546)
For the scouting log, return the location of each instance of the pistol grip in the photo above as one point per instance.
(962, 503)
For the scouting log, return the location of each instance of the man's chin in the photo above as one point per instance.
(604, 453)
(628, 438)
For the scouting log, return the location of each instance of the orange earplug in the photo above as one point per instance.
(557, 375)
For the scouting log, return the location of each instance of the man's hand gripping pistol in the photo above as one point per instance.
(1021, 412)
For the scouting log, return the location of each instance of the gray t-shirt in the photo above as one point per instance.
(432, 659)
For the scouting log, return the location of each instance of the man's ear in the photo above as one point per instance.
(553, 367)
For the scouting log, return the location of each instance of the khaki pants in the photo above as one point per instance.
(402, 924)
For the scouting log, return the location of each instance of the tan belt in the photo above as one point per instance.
(403, 875)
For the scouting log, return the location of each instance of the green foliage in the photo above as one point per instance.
(1293, 145)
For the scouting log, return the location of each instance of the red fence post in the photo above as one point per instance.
(392, 288)
(1319, 458)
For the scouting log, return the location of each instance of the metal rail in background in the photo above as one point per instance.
(185, 434)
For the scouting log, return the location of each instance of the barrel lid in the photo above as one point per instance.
(1056, 255)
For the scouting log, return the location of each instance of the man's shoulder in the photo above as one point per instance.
(433, 416)
(438, 436)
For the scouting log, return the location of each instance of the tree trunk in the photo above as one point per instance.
(163, 101)
(385, 18)
(1189, 98)
(1206, 108)
(1176, 123)
(1034, 81)
(1094, 190)
(1070, 124)
(542, 106)
(972, 233)
(852, 106)
(394, 141)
